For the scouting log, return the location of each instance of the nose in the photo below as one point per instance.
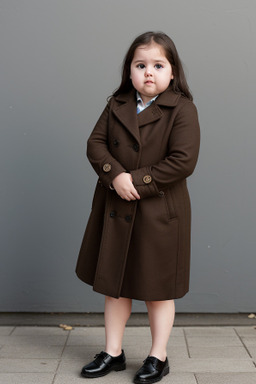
(148, 72)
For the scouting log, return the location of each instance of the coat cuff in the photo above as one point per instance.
(108, 172)
(144, 183)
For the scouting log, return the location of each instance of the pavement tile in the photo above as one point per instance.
(31, 351)
(73, 366)
(84, 331)
(246, 331)
(176, 341)
(178, 331)
(217, 341)
(26, 378)
(223, 352)
(252, 351)
(86, 340)
(177, 352)
(33, 340)
(124, 377)
(226, 378)
(39, 331)
(181, 378)
(212, 365)
(5, 331)
(249, 341)
(209, 331)
(137, 341)
(138, 352)
(28, 365)
(81, 352)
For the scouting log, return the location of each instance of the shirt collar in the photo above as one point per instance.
(140, 101)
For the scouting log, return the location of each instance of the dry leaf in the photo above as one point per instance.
(65, 327)
(252, 316)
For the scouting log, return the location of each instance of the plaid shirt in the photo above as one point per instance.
(140, 105)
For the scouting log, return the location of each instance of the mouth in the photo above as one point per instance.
(149, 82)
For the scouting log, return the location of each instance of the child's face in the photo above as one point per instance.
(151, 72)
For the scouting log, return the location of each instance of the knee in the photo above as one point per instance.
(109, 298)
(154, 304)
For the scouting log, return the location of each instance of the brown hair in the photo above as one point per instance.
(178, 84)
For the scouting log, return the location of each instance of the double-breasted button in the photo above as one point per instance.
(116, 142)
(147, 179)
(161, 193)
(136, 147)
(112, 214)
(128, 218)
(107, 167)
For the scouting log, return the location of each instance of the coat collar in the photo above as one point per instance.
(126, 112)
(168, 98)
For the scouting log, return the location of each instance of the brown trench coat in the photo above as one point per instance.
(141, 249)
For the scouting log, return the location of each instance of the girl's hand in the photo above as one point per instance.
(124, 187)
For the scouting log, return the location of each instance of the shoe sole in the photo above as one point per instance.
(151, 381)
(114, 368)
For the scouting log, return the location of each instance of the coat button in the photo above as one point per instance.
(147, 179)
(128, 218)
(116, 142)
(107, 167)
(112, 214)
(161, 193)
(136, 147)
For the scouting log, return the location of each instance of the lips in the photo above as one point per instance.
(149, 82)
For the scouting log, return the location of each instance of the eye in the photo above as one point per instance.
(140, 66)
(158, 66)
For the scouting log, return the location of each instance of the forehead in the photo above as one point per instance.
(153, 49)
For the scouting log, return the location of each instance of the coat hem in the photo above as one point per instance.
(135, 297)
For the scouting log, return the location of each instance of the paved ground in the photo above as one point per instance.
(197, 355)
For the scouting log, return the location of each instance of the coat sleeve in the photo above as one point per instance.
(104, 164)
(183, 149)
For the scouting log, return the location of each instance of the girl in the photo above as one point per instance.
(137, 241)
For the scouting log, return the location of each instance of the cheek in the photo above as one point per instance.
(135, 77)
(133, 74)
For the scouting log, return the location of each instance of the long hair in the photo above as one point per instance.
(178, 83)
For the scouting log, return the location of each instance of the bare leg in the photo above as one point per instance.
(117, 312)
(161, 318)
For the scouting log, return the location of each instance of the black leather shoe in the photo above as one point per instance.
(151, 371)
(103, 364)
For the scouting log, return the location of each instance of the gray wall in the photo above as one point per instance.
(59, 61)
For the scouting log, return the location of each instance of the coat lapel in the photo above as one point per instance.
(149, 115)
(127, 114)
